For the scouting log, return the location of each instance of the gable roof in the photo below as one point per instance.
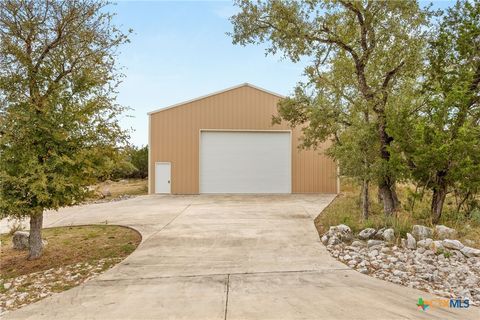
(246, 84)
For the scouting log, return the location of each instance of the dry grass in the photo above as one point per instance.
(346, 209)
(117, 189)
(69, 245)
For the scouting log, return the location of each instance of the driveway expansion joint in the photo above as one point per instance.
(226, 296)
(227, 274)
(170, 222)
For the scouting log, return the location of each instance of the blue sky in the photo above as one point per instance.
(179, 51)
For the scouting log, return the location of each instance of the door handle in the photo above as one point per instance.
(168, 181)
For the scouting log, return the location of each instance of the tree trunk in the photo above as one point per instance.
(459, 205)
(396, 201)
(438, 198)
(365, 200)
(412, 202)
(388, 198)
(379, 196)
(35, 238)
(387, 183)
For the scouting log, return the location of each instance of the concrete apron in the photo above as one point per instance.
(226, 257)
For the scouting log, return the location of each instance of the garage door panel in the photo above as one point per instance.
(245, 162)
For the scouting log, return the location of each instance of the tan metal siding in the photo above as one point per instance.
(174, 137)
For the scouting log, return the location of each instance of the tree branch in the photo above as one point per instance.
(390, 74)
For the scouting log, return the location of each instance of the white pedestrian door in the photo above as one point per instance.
(162, 177)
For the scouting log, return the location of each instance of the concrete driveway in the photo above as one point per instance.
(226, 257)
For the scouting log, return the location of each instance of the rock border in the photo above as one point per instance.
(444, 267)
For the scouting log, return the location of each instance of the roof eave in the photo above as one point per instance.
(246, 84)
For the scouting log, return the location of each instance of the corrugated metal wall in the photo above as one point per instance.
(174, 137)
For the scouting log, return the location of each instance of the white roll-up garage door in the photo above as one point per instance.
(245, 162)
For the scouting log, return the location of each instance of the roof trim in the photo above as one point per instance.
(246, 84)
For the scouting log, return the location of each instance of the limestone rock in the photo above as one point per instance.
(425, 243)
(472, 281)
(363, 270)
(437, 246)
(379, 234)
(385, 250)
(342, 232)
(367, 233)
(106, 192)
(373, 253)
(340, 228)
(333, 240)
(428, 252)
(421, 250)
(371, 243)
(389, 235)
(470, 252)
(444, 232)
(456, 254)
(324, 239)
(411, 243)
(357, 243)
(421, 232)
(452, 274)
(20, 240)
(452, 244)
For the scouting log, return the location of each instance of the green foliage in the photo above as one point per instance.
(139, 159)
(132, 163)
(58, 116)
(365, 55)
(392, 88)
(441, 138)
(121, 169)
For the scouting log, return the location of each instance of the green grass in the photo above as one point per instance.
(346, 209)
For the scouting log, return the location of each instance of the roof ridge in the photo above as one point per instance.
(245, 84)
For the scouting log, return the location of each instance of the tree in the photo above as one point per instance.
(131, 163)
(339, 114)
(363, 52)
(442, 139)
(58, 122)
(139, 159)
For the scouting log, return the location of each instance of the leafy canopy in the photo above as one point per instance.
(441, 140)
(58, 116)
(363, 55)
